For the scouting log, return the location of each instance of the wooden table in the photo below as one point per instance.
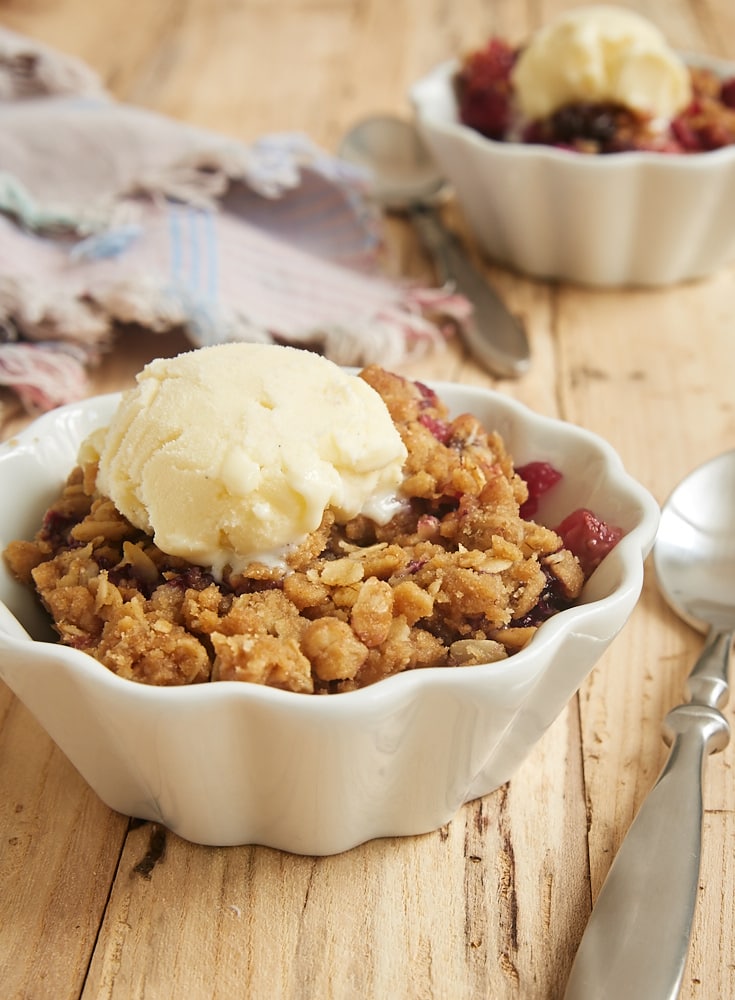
(494, 905)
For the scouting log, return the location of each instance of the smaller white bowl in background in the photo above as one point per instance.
(237, 763)
(636, 218)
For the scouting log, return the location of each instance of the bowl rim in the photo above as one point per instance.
(628, 557)
(440, 75)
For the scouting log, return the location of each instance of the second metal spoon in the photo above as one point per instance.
(406, 179)
(637, 939)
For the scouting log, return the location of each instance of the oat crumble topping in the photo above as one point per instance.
(457, 577)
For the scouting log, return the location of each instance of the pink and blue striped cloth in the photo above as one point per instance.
(113, 215)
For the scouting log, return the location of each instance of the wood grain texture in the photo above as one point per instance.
(493, 904)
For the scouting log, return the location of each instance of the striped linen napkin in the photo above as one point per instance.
(111, 215)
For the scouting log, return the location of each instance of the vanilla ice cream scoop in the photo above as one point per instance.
(596, 55)
(232, 453)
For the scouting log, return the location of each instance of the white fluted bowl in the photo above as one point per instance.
(237, 763)
(634, 218)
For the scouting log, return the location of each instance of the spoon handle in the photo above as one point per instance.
(637, 939)
(494, 336)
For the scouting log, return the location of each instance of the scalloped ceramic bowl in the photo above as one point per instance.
(634, 218)
(237, 763)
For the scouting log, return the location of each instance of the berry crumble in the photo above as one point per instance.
(461, 574)
(485, 96)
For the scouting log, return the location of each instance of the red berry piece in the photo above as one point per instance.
(539, 477)
(484, 89)
(429, 397)
(439, 428)
(685, 135)
(727, 92)
(589, 538)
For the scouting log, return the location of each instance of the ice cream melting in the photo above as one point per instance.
(596, 55)
(231, 454)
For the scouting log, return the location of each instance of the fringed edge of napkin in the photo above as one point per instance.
(44, 374)
(66, 336)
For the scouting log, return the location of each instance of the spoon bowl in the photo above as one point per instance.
(402, 168)
(694, 554)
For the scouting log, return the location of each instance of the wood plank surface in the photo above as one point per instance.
(494, 904)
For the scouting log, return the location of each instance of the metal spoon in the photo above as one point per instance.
(636, 943)
(406, 179)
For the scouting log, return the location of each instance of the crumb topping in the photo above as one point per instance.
(457, 577)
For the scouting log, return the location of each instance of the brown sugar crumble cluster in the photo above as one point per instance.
(457, 577)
